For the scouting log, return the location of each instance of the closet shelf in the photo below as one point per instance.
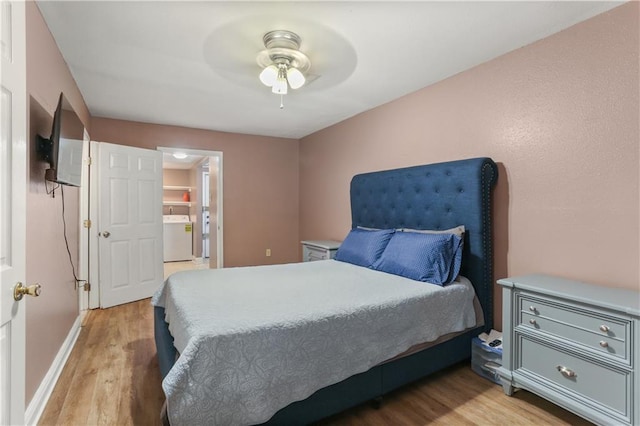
(176, 203)
(176, 188)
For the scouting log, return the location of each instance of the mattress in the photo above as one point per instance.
(254, 339)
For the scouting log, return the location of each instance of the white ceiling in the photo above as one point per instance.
(193, 64)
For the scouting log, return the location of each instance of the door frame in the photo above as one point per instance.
(92, 255)
(219, 198)
(84, 266)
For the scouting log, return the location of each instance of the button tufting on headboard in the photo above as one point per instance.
(436, 196)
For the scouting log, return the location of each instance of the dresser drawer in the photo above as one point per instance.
(597, 331)
(615, 347)
(311, 253)
(594, 384)
(315, 253)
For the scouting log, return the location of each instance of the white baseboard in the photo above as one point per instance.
(42, 395)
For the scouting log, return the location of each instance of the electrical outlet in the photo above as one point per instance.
(268, 253)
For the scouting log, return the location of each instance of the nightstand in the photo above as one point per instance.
(574, 344)
(319, 250)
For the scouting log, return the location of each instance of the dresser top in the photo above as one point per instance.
(619, 299)
(325, 244)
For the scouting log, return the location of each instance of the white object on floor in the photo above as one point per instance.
(178, 243)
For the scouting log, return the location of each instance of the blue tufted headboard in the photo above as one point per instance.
(436, 196)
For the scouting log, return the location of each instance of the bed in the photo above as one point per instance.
(290, 375)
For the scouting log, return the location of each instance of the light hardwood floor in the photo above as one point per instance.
(171, 267)
(112, 378)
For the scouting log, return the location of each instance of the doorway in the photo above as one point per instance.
(215, 200)
(192, 193)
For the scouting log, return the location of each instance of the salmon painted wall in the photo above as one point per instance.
(260, 178)
(50, 316)
(559, 116)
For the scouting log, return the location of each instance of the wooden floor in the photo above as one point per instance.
(112, 378)
(171, 267)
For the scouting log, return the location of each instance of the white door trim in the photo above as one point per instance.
(94, 264)
(83, 267)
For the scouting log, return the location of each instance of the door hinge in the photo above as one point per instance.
(87, 223)
(87, 286)
(88, 161)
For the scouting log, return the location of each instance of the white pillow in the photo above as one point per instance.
(458, 230)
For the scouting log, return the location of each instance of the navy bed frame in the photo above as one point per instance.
(436, 196)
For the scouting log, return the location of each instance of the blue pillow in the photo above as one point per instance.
(363, 247)
(433, 258)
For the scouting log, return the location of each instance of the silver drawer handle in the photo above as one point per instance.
(604, 344)
(566, 372)
(604, 328)
(532, 322)
(532, 308)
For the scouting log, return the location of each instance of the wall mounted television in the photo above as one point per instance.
(63, 149)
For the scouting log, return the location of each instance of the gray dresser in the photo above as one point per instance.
(574, 344)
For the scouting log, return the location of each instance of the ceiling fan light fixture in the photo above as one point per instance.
(283, 64)
(280, 86)
(295, 78)
(269, 75)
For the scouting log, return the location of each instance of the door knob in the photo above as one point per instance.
(19, 291)
(106, 234)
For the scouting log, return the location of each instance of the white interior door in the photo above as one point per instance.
(13, 159)
(129, 223)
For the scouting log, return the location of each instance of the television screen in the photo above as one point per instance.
(70, 146)
(64, 148)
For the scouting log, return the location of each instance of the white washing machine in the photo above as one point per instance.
(178, 240)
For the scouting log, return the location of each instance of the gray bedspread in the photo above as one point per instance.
(254, 339)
